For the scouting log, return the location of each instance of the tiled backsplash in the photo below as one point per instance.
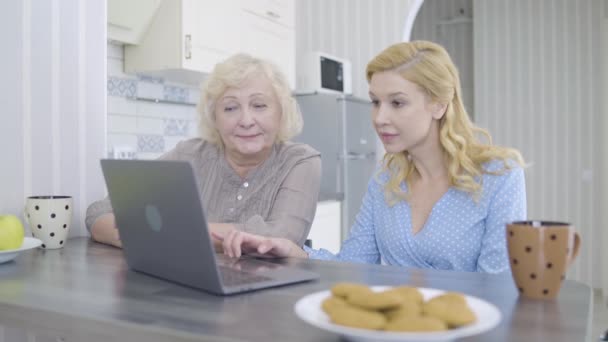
(146, 116)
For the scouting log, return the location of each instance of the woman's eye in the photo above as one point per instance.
(259, 105)
(397, 104)
(230, 108)
(375, 103)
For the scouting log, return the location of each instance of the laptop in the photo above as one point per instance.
(164, 232)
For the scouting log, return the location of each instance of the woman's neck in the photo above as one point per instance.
(430, 167)
(429, 160)
(244, 164)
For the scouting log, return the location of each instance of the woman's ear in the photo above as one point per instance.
(438, 110)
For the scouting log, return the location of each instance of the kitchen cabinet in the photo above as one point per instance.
(325, 229)
(278, 11)
(266, 37)
(129, 20)
(188, 37)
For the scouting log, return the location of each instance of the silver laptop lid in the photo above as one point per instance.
(163, 228)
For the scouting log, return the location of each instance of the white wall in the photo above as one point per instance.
(604, 146)
(537, 88)
(53, 102)
(353, 29)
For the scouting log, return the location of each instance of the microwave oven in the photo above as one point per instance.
(326, 73)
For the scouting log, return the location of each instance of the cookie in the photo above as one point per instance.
(331, 303)
(408, 293)
(344, 290)
(451, 308)
(375, 300)
(357, 318)
(406, 309)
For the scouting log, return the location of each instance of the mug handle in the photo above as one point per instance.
(25, 218)
(577, 245)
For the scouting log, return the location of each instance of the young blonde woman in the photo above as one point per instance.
(252, 179)
(443, 193)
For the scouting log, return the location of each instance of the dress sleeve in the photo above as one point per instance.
(95, 210)
(103, 206)
(294, 205)
(360, 246)
(508, 204)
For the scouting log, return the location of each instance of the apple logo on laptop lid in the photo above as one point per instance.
(153, 217)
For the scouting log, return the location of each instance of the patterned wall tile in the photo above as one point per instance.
(175, 127)
(149, 90)
(150, 79)
(150, 143)
(122, 87)
(174, 93)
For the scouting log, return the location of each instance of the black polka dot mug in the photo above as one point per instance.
(540, 253)
(49, 219)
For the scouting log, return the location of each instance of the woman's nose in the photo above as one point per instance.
(247, 119)
(380, 115)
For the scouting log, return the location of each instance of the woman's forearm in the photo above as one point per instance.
(104, 230)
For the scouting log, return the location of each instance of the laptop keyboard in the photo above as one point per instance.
(231, 277)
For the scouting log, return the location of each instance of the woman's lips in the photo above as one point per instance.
(249, 136)
(386, 137)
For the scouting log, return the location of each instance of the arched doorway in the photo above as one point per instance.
(449, 23)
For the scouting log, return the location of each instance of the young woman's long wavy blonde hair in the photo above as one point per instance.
(429, 66)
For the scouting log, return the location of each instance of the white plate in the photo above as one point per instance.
(28, 243)
(309, 309)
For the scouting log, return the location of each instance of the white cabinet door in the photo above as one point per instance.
(210, 32)
(266, 39)
(191, 36)
(129, 20)
(279, 11)
(325, 229)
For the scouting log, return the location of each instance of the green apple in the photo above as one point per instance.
(11, 232)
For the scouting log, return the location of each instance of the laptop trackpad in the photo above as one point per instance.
(246, 264)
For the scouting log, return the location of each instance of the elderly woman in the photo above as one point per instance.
(252, 179)
(442, 195)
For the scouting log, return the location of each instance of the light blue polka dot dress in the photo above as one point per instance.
(459, 234)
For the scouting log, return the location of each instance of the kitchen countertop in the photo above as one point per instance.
(331, 196)
(85, 292)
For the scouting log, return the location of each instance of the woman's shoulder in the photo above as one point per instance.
(192, 149)
(498, 172)
(501, 167)
(296, 151)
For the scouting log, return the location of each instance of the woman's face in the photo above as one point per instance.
(402, 114)
(247, 118)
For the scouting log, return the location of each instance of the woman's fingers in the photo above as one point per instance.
(217, 236)
(266, 246)
(277, 247)
(228, 250)
(236, 245)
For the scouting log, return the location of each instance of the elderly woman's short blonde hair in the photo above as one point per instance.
(232, 73)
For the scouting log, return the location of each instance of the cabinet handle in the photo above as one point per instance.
(272, 14)
(358, 156)
(188, 47)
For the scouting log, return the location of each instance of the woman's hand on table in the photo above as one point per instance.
(104, 231)
(236, 243)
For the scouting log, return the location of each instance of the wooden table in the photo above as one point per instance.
(84, 292)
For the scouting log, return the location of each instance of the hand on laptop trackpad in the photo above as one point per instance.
(247, 264)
